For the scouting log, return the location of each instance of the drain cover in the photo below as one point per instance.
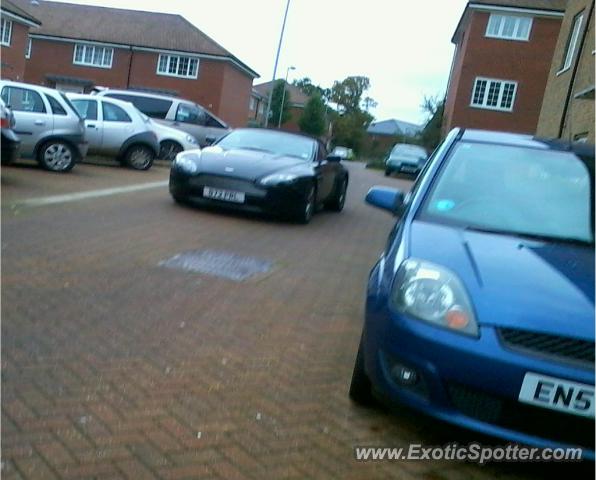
(222, 264)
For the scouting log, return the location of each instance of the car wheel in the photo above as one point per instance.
(360, 387)
(307, 208)
(387, 173)
(339, 197)
(169, 149)
(57, 156)
(139, 157)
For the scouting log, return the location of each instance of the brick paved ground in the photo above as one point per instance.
(114, 367)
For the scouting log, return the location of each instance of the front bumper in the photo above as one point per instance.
(402, 167)
(275, 200)
(472, 383)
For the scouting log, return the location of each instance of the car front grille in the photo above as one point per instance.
(227, 183)
(513, 415)
(554, 346)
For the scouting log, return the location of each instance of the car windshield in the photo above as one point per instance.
(340, 150)
(515, 190)
(269, 141)
(408, 152)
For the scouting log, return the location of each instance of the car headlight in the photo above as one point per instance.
(186, 162)
(433, 294)
(278, 178)
(190, 139)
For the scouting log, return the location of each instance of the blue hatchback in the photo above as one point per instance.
(480, 311)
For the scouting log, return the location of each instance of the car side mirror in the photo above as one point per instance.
(385, 198)
(333, 158)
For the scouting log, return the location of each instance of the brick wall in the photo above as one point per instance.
(13, 57)
(579, 119)
(220, 87)
(527, 63)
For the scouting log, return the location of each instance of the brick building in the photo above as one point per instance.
(14, 39)
(504, 51)
(297, 103)
(568, 108)
(80, 46)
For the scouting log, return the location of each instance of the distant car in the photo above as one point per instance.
(343, 152)
(49, 127)
(117, 128)
(10, 141)
(262, 170)
(175, 112)
(480, 311)
(405, 158)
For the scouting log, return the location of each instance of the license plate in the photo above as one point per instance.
(224, 195)
(557, 394)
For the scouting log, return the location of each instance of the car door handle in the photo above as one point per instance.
(39, 122)
(91, 125)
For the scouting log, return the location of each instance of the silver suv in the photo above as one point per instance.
(116, 128)
(175, 112)
(49, 127)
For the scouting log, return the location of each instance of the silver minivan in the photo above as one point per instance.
(175, 112)
(49, 127)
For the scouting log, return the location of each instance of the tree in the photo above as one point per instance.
(276, 106)
(348, 93)
(312, 120)
(430, 136)
(349, 130)
(309, 89)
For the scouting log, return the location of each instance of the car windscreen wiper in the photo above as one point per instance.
(529, 235)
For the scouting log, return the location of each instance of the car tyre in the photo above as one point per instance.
(169, 149)
(57, 156)
(139, 157)
(307, 207)
(387, 173)
(339, 197)
(360, 387)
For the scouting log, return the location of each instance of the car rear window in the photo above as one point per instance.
(152, 107)
(57, 109)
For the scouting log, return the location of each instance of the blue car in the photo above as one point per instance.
(480, 311)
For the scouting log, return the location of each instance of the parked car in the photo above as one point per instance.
(480, 311)
(262, 170)
(344, 153)
(49, 127)
(10, 141)
(117, 128)
(175, 112)
(171, 140)
(405, 158)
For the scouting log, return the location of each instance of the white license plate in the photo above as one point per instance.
(224, 195)
(557, 394)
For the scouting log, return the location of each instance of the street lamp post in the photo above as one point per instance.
(281, 37)
(283, 96)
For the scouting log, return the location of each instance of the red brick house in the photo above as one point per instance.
(14, 39)
(297, 103)
(81, 46)
(504, 50)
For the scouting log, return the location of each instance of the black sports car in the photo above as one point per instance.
(261, 170)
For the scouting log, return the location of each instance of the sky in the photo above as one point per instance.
(403, 47)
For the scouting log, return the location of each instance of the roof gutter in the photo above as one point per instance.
(18, 18)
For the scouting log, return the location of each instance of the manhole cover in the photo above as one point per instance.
(221, 264)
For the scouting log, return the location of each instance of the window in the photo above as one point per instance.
(508, 27)
(212, 122)
(57, 109)
(23, 100)
(5, 32)
(87, 108)
(572, 41)
(188, 113)
(113, 113)
(152, 107)
(93, 55)
(494, 94)
(177, 66)
(28, 48)
(253, 103)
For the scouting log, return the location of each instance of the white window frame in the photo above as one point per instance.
(498, 107)
(6, 32)
(85, 47)
(572, 42)
(515, 37)
(167, 59)
(28, 48)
